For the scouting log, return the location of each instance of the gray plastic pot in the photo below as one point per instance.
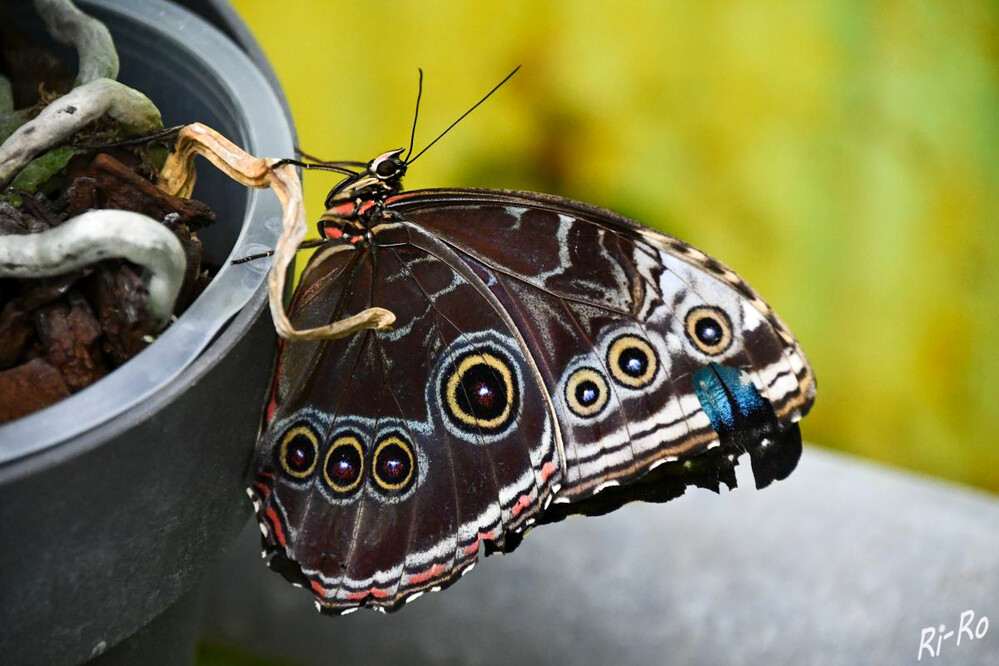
(115, 501)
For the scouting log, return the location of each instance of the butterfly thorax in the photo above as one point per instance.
(357, 202)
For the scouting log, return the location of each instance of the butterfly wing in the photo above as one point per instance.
(548, 358)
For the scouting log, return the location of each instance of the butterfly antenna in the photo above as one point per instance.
(416, 116)
(462, 117)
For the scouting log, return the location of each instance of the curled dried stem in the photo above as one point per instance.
(178, 177)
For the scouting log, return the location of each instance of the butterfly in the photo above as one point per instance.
(532, 358)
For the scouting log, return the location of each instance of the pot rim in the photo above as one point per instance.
(266, 131)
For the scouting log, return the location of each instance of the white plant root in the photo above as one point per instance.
(98, 235)
(178, 178)
(67, 24)
(71, 112)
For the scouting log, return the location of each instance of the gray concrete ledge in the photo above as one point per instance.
(843, 563)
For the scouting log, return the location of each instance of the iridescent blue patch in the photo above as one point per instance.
(728, 397)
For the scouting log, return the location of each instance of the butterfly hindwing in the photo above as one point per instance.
(449, 392)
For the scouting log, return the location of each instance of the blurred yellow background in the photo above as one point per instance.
(843, 156)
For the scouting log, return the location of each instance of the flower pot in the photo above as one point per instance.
(114, 501)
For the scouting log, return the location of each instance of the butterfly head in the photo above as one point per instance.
(382, 176)
(379, 179)
(388, 168)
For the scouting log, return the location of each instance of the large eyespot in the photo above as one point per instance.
(344, 467)
(586, 392)
(479, 392)
(298, 451)
(709, 329)
(394, 465)
(632, 361)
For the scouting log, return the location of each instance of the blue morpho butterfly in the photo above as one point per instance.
(547, 358)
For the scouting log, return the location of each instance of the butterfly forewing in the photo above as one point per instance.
(590, 285)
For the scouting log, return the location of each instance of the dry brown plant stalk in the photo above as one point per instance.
(178, 177)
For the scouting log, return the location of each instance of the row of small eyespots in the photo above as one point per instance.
(633, 364)
(394, 464)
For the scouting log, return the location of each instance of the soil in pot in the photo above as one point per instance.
(61, 334)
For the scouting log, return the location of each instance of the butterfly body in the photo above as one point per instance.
(547, 358)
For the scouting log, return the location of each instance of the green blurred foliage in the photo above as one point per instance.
(841, 155)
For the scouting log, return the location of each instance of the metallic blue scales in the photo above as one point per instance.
(728, 397)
